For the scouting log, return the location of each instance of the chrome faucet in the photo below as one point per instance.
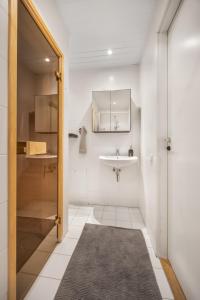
(117, 152)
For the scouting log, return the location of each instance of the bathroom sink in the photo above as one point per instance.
(118, 162)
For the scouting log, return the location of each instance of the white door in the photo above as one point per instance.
(184, 157)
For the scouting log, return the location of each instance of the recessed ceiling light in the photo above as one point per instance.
(109, 52)
(114, 102)
(111, 78)
(47, 59)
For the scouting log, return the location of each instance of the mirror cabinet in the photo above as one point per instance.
(111, 111)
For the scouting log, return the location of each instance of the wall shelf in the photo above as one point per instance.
(42, 156)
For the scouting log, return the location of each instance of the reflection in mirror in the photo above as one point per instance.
(111, 111)
(120, 110)
(101, 111)
(46, 105)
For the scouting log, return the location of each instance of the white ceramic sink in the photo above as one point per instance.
(118, 162)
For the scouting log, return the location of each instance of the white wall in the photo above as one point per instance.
(90, 180)
(3, 147)
(50, 15)
(150, 160)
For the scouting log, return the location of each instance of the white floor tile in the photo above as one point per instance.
(55, 266)
(72, 212)
(66, 247)
(108, 222)
(70, 219)
(122, 209)
(73, 206)
(43, 288)
(154, 260)
(97, 215)
(144, 231)
(74, 231)
(98, 208)
(80, 227)
(163, 284)
(137, 225)
(109, 209)
(134, 211)
(87, 209)
(123, 224)
(93, 220)
(148, 241)
(97, 212)
(83, 212)
(79, 220)
(135, 214)
(109, 215)
(123, 216)
(137, 219)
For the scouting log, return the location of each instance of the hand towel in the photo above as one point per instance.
(82, 146)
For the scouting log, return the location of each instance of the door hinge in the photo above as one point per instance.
(57, 220)
(58, 76)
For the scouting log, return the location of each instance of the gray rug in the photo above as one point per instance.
(109, 263)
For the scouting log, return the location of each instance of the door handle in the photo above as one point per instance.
(168, 143)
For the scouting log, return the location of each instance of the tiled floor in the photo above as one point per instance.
(47, 283)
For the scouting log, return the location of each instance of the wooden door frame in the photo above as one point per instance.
(12, 132)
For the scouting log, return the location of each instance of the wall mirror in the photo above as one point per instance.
(111, 111)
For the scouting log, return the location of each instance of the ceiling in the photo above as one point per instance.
(98, 25)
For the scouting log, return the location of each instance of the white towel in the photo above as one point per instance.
(82, 146)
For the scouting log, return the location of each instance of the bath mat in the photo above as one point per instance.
(109, 263)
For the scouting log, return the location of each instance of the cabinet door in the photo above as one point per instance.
(42, 114)
(46, 113)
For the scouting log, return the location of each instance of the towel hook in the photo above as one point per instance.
(82, 128)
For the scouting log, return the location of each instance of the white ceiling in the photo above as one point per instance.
(97, 25)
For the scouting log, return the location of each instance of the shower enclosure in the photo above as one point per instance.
(38, 157)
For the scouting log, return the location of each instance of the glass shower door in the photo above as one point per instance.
(37, 151)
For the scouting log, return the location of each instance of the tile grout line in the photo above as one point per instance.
(50, 277)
